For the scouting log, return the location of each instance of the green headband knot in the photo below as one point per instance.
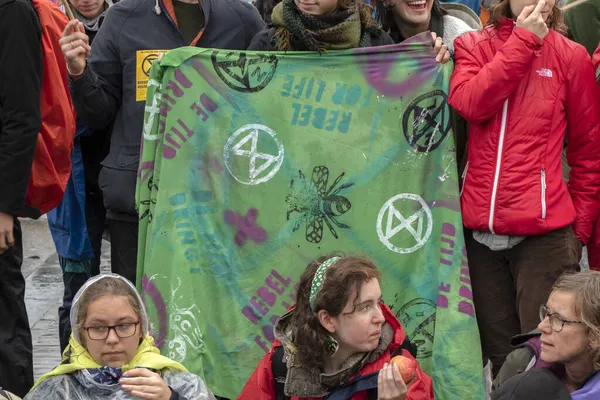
(319, 279)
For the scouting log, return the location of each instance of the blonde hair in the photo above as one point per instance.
(585, 286)
(104, 287)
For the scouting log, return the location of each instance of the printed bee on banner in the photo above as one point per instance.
(317, 204)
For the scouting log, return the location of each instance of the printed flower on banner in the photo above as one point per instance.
(185, 330)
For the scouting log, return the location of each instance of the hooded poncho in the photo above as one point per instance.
(74, 378)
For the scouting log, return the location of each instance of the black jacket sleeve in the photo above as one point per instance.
(97, 95)
(21, 64)
(262, 41)
(253, 22)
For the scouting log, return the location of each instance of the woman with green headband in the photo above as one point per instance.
(111, 355)
(337, 341)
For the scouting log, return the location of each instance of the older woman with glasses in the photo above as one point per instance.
(567, 341)
(110, 353)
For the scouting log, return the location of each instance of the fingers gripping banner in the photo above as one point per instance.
(254, 164)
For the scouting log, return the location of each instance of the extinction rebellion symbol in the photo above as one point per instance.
(426, 121)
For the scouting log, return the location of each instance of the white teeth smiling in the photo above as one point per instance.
(416, 4)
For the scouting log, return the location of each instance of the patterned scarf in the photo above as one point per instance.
(106, 375)
(339, 30)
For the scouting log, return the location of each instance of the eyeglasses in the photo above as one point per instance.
(122, 331)
(557, 323)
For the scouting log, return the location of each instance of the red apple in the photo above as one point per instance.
(407, 367)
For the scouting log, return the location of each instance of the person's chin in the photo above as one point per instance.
(415, 19)
(89, 13)
(113, 360)
(309, 8)
(371, 345)
(548, 357)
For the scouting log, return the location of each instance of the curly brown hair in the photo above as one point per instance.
(502, 11)
(585, 287)
(343, 279)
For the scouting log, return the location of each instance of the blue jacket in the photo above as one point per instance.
(67, 221)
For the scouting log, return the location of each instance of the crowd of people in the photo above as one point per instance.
(527, 127)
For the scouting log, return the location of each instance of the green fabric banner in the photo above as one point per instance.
(253, 164)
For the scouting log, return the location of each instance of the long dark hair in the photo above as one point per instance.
(502, 11)
(265, 8)
(344, 278)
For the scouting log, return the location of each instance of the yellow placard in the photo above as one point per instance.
(143, 62)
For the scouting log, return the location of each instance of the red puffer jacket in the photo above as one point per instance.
(261, 385)
(520, 95)
(597, 58)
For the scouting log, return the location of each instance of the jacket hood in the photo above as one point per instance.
(76, 303)
(463, 13)
(76, 358)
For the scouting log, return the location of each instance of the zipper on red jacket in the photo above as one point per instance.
(464, 178)
(543, 193)
(499, 158)
(498, 165)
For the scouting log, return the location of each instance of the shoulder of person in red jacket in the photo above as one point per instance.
(261, 385)
(470, 40)
(52, 163)
(596, 58)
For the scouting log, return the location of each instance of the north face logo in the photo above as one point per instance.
(544, 72)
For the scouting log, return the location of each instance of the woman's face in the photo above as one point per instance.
(572, 343)
(517, 6)
(416, 13)
(111, 311)
(89, 8)
(358, 328)
(316, 7)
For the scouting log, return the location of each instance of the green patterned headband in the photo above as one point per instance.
(318, 280)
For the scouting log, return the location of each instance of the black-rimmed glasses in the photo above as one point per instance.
(122, 330)
(557, 323)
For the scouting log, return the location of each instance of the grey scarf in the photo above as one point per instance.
(92, 25)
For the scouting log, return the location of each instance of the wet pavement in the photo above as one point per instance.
(44, 291)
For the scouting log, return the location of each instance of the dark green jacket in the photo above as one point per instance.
(583, 22)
